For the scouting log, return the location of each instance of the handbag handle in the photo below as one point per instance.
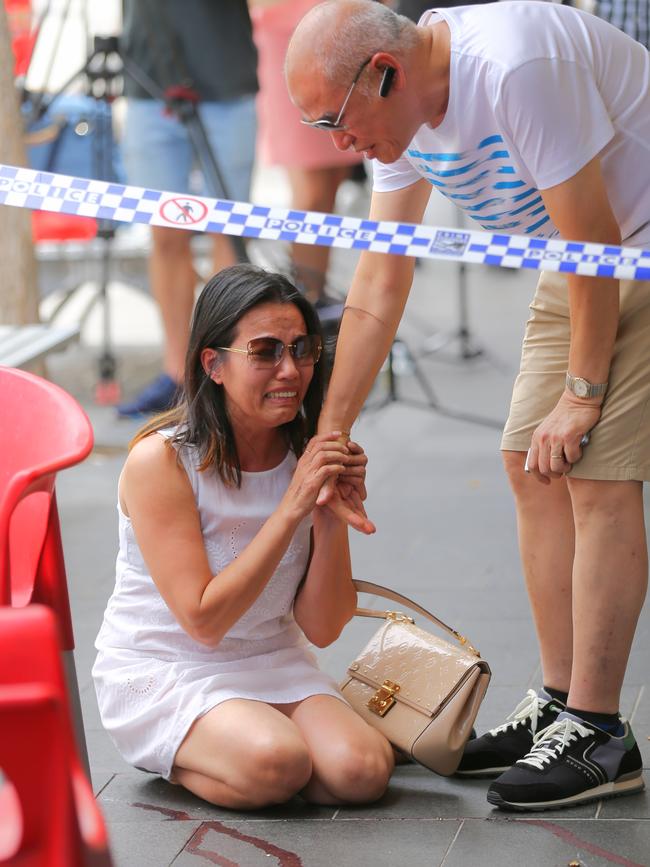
(378, 590)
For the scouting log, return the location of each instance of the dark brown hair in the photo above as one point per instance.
(200, 418)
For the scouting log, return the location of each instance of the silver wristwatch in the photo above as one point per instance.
(583, 388)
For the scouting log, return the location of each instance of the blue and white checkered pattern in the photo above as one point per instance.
(26, 188)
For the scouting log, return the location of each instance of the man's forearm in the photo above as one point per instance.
(370, 320)
(594, 308)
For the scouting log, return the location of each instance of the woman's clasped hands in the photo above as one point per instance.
(330, 457)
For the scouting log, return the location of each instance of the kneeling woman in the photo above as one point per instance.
(227, 565)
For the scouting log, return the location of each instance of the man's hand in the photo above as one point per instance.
(343, 497)
(555, 446)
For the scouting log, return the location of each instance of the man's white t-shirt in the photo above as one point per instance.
(536, 90)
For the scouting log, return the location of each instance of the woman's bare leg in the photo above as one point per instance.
(351, 762)
(243, 755)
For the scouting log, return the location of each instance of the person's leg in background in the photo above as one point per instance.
(159, 155)
(313, 190)
(172, 280)
(231, 128)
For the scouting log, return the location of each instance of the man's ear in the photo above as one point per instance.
(210, 362)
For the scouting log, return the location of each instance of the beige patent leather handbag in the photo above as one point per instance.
(420, 691)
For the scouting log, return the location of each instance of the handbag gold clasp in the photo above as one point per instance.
(399, 617)
(383, 700)
(465, 643)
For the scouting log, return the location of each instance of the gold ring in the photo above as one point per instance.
(558, 457)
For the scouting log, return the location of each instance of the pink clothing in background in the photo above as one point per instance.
(282, 139)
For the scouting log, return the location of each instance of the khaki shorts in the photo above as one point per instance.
(620, 443)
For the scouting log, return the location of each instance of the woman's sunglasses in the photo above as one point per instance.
(267, 352)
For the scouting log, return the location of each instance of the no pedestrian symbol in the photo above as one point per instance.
(183, 211)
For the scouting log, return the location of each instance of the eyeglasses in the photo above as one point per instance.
(336, 125)
(267, 352)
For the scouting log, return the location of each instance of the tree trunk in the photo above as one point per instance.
(19, 285)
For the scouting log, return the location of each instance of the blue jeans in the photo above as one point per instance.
(158, 153)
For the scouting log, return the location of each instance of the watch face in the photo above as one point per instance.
(581, 387)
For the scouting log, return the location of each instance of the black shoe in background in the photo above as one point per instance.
(494, 752)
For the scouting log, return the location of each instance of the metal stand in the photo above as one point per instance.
(404, 354)
(467, 346)
(103, 67)
(101, 75)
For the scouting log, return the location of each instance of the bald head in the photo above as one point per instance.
(335, 37)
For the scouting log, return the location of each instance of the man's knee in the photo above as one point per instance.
(513, 463)
(596, 499)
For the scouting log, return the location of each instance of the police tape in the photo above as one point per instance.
(46, 191)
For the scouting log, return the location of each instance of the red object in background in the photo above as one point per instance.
(50, 226)
(53, 804)
(45, 226)
(19, 15)
(49, 431)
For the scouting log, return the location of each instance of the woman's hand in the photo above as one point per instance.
(324, 458)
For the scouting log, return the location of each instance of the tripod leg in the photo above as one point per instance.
(107, 389)
(468, 349)
(422, 381)
(205, 154)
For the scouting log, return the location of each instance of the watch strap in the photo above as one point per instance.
(593, 389)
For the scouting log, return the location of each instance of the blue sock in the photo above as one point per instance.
(607, 722)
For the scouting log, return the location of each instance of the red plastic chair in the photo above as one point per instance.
(43, 430)
(51, 819)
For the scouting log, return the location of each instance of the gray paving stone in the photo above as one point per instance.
(156, 844)
(141, 798)
(416, 792)
(319, 844)
(541, 842)
(100, 779)
(630, 807)
(102, 753)
(642, 709)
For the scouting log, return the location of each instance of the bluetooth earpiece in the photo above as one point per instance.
(387, 81)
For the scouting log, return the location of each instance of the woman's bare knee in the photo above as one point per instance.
(277, 770)
(360, 773)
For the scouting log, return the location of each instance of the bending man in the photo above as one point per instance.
(535, 119)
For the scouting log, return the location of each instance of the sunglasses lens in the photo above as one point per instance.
(307, 349)
(265, 351)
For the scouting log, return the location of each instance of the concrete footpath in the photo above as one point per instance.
(446, 536)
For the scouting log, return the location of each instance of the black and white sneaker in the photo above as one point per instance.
(496, 750)
(571, 762)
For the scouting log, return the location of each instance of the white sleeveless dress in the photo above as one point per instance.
(152, 679)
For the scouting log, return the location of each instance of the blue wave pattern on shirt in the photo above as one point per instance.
(484, 183)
